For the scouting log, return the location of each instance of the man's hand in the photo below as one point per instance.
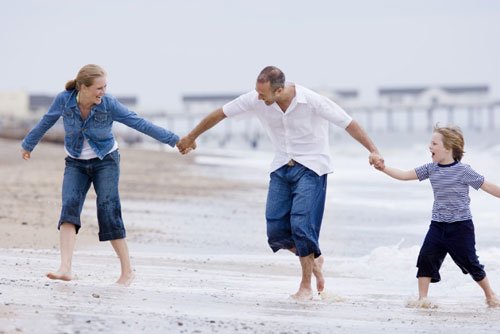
(376, 161)
(185, 145)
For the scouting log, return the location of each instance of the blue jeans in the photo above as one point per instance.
(456, 239)
(104, 175)
(294, 209)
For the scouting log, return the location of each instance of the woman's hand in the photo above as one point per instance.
(26, 154)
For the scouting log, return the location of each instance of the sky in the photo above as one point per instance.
(160, 50)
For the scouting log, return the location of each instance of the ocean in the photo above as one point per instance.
(372, 228)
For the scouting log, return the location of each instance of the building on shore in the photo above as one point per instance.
(400, 112)
(204, 103)
(392, 97)
(420, 108)
(19, 111)
(14, 105)
(21, 105)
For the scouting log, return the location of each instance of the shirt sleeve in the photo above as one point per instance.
(122, 114)
(242, 104)
(332, 112)
(46, 122)
(472, 178)
(423, 172)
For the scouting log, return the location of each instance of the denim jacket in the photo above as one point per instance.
(96, 128)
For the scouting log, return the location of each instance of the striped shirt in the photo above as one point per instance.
(450, 184)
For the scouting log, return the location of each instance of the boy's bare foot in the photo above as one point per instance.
(126, 279)
(60, 275)
(493, 302)
(318, 273)
(303, 295)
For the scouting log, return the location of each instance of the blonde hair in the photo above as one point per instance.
(453, 139)
(85, 76)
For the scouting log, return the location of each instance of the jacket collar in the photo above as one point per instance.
(71, 103)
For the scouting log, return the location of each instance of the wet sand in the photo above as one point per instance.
(198, 246)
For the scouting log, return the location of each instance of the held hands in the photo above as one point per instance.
(376, 161)
(26, 155)
(186, 145)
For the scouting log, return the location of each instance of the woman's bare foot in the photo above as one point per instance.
(303, 295)
(421, 303)
(493, 302)
(60, 275)
(126, 279)
(318, 273)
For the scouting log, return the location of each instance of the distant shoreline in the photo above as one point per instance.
(17, 130)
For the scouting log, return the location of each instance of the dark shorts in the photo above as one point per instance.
(294, 209)
(104, 175)
(456, 239)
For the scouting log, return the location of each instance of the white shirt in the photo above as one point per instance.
(87, 151)
(301, 133)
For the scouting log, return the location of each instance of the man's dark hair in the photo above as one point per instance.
(273, 75)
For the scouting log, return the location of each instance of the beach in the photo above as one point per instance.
(197, 238)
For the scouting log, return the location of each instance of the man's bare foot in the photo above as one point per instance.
(60, 275)
(493, 302)
(126, 279)
(318, 273)
(303, 295)
(421, 303)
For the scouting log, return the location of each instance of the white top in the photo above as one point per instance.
(301, 133)
(87, 151)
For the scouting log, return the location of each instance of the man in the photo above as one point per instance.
(297, 122)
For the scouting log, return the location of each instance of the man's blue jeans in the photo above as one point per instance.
(294, 210)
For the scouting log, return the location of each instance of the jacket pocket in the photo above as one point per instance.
(69, 117)
(100, 119)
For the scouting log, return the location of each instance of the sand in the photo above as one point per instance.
(197, 240)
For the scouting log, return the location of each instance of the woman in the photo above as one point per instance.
(93, 158)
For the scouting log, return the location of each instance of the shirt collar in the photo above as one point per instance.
(300, 97)
(449, 165)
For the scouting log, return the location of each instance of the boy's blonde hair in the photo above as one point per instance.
(453, 139)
